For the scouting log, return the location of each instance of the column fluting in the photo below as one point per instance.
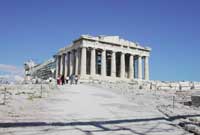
(71, 63)
(103, 63)
(146, 68)
(83, 61)
(139, 67)
(77, 62)
(122, 67)
(57, 65)
(93, 62)
(61, 65)
(131, 69)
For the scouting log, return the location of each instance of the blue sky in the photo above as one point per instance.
(36, 29)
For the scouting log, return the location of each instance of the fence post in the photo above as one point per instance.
(4, 97)
(173, 102)
(41, 91)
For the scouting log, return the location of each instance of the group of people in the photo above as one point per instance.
(72, 79)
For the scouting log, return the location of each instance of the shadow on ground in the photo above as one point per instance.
(100, 125)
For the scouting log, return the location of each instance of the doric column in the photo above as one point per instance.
(57, 65)
(66, 64)
(146, 68)
(93, 62)
(77, 62)
(122, 67)
(71, 62)
(63, 61)
(139, 67)
(61, 65)
(83, 61)
(113, 65)
(103, 63)
(131, 69)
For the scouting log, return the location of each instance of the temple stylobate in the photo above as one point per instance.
(104, 57)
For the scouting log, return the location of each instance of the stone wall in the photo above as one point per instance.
(149, 85)
(196, 99)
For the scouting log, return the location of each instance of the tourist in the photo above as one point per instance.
(58, 80)
(71, 79)
(76, 79)
(67, 79)
(62, 80)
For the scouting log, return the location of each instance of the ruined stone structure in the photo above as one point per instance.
(43, 71)
(103, 57)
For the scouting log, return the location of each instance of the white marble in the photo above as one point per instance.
(83, 61)
(113, 65)
(139, 67)
(117, 50)
(103, 63)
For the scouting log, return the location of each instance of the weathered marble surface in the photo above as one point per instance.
(85, 110)
(140, 84)
(196, 99)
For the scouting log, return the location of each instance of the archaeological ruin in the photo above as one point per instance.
(103, 57)
(43, 71)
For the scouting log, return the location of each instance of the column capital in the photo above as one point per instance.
(55, 56)
(77, 49)
(71, 51)
(103, 49)
(92, 48)
(122, 52)
(58, 55)
(112, 51)
(132, 54)
(83, 47)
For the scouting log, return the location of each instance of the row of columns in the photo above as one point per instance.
(67, 63)
(80, 62)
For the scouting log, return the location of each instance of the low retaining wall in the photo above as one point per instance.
(140, 84)
(196, 99)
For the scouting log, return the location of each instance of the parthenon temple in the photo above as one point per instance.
(105, 57)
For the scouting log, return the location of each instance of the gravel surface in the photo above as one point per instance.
(85, 110)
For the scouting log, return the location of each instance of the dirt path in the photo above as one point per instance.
(83, 110)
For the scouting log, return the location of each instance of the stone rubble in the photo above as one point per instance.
(183, 92)
(161, 93)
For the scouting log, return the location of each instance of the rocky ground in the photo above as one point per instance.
(92, 109)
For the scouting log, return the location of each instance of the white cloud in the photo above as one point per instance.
(11, 69)
(12, 78)
(11, 73)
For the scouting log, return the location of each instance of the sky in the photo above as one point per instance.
(36, 29)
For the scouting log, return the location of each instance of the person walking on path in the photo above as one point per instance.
(58, 80)
(71, 79)
(62, 80)
(67, 79)
(76, 79)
